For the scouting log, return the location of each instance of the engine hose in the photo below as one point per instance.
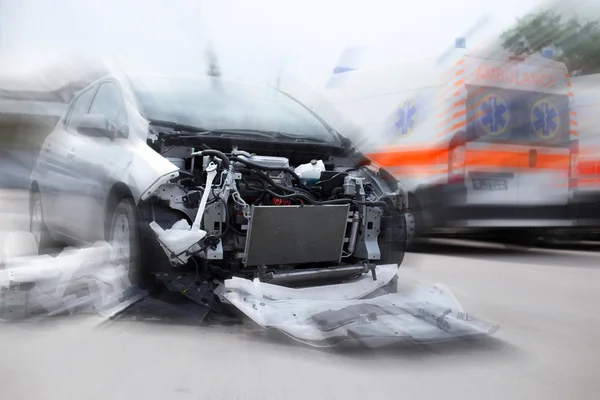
(218, 154)
(336, 192)
(263, 184)
(272, 183)
(265, 177)
(268, 168)
(284, 188)
(293, 196)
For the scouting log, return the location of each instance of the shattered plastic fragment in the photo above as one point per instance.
(178, 239)
(75, 279)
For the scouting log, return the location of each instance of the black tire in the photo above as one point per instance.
(38, 227)
(415, 225)
(411, 231)
(392, 240)
(123, 223)
(391, 252)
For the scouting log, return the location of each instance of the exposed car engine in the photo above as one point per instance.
(272, 218)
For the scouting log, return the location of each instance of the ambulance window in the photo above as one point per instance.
(548, 118)
(488, 110)
(498, 115)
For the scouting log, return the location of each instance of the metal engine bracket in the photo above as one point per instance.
(366, 245)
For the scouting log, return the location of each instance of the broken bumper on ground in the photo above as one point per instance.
(329, 315)
(76, 279)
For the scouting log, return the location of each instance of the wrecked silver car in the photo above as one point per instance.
(222, 180)
(232, 193)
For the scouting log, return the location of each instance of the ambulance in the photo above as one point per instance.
(486, 144)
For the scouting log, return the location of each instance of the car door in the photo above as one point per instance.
(58, 180)
(95, 161)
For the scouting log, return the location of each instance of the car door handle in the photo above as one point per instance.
(71, 154)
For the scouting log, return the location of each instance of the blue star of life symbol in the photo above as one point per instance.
(405, 120)
(494, 114)
(545, 119)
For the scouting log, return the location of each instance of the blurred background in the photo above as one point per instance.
(485, 111)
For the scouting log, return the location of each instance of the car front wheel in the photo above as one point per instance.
(124, 236)
(37, 225)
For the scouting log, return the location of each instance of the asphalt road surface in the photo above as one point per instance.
(547, 347)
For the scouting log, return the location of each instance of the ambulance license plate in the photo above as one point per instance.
(489, 184)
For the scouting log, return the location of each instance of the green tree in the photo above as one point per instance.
(578, 44)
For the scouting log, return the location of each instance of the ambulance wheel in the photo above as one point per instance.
(521, 239)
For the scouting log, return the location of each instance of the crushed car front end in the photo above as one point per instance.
(291, 214)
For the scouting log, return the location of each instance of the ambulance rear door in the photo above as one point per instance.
(492, 161)
(544, 132)
(519, 126)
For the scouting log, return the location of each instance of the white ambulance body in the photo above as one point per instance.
(486, 142)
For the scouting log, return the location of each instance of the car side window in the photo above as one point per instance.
(109, 102)
(80, 108)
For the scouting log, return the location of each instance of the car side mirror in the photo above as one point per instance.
(97, 125)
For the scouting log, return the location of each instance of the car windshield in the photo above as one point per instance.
(214, 104)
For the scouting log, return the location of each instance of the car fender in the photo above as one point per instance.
(142, 169)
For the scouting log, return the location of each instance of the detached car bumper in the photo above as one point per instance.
(329, 315)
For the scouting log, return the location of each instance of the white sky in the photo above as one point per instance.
(252, 37)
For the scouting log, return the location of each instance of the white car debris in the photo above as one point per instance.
(73, 280)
